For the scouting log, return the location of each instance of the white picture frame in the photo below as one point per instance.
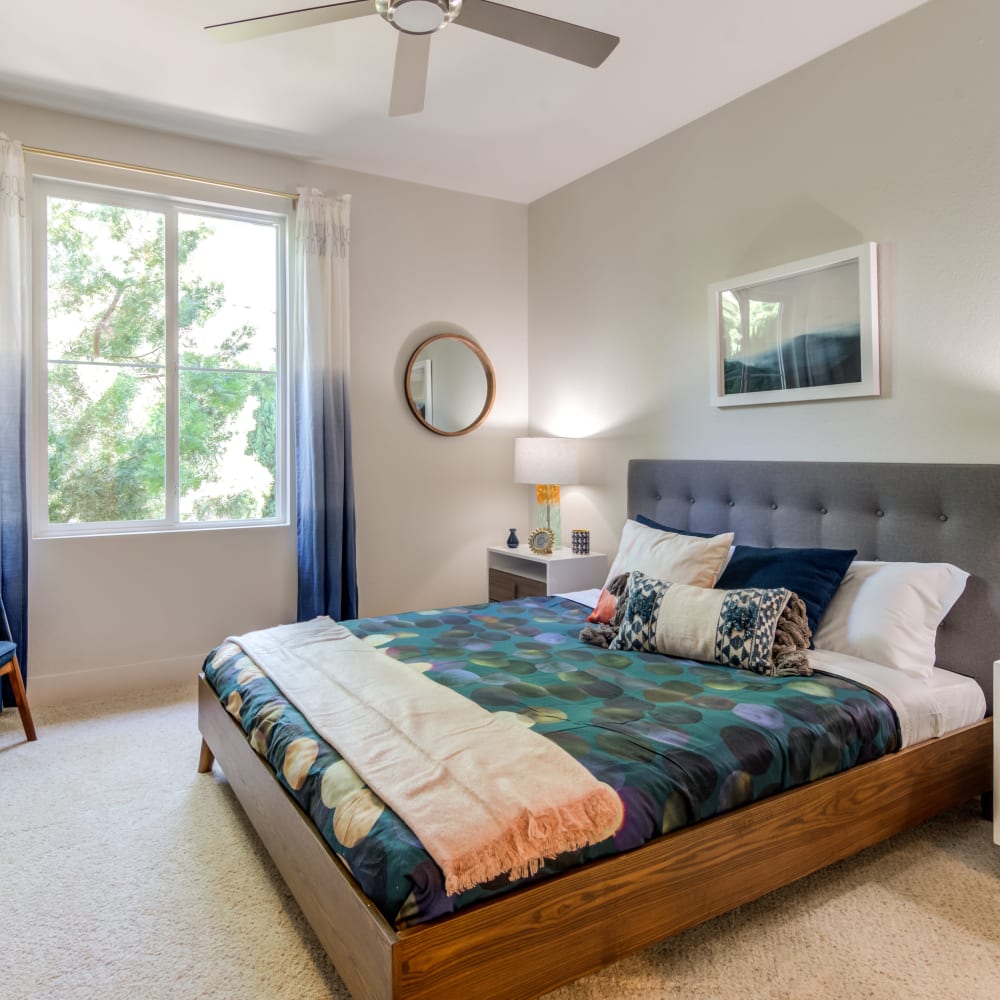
(803, 331)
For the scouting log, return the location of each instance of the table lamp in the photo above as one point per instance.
(548, 463)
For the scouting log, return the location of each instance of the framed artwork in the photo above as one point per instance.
(806, 330)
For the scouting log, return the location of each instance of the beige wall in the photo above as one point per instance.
(109, 613)
(893, 138)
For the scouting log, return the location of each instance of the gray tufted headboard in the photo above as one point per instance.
(919, 513)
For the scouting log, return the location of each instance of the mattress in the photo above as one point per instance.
(679, 741)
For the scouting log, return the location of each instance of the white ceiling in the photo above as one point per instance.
(500, 120)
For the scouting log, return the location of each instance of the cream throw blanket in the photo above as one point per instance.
(485, 795)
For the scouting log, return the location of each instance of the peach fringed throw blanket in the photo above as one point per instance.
(485, 795)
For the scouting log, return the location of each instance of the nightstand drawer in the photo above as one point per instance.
(509, 587)
(515, 573)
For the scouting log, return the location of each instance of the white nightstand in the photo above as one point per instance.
(520, 572)
(996, 752)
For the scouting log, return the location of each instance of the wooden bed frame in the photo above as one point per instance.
(531, 940)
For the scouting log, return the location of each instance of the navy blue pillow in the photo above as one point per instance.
(650, 523)
(813, 574)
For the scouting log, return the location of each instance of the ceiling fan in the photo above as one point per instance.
(417, 20)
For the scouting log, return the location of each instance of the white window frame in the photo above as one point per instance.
(44, 187)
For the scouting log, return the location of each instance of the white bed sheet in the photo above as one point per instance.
(925, 707)
(585, 597)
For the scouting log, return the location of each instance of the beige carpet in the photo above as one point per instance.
(124, 873)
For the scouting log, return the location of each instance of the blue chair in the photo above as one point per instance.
(9, 667)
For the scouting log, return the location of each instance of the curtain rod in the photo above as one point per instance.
(159, 173)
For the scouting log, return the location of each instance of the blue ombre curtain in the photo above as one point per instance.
(13, 372)
(320, 350)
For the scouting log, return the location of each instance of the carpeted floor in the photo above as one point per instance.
(124, 873)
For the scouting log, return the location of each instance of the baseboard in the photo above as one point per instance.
(126, 678)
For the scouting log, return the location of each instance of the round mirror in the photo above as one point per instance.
(450, 384)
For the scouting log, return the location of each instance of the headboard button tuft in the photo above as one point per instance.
(692, 499)
(774, 506)
(942, 517)
(880, 513)
(732, 503)
(658, 497)
(823, 510)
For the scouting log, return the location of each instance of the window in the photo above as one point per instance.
(160, 362)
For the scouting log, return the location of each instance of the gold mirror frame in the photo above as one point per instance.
(491, 389)
(541, 541)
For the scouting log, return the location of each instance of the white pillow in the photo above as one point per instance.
(664, 555)
(889, 613)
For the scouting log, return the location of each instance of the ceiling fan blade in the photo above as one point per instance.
(409, 78)
(273, 24)
(559, 38)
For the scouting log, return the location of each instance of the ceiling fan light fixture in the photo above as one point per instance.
(419, 17)
(417, 20)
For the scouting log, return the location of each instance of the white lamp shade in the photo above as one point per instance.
(547, 460)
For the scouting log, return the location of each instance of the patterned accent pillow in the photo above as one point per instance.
(765, 631)
(641, 613)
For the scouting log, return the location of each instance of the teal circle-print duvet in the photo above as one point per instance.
(679, 741)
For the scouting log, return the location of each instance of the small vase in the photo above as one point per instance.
(512, 542)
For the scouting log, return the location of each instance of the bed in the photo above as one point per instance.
(563, 926)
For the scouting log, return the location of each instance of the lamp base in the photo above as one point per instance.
(548, 515)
